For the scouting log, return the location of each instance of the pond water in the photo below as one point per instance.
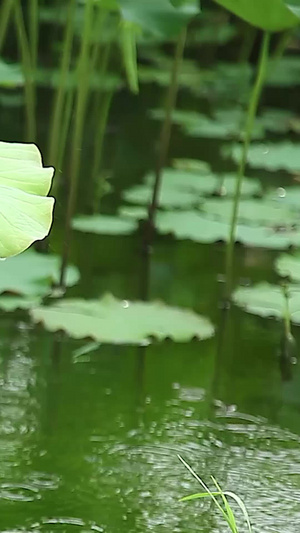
(90, 442)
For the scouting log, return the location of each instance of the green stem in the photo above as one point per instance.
(27, 68)
(60, 95)
(252, 109)
(66, 120)
(34, 31)
(165, 134)
(5, 13)
(80, 111)
(99, 138)
(287, 314)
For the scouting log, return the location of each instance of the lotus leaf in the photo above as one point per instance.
(284, 72)
(272, 156)
(168, 197)
(33, 273)
(199, 228)
(104, 224)
(12, 303)
(268, 301)
(25, 211)
(254, 212)
(204, 182)
(270, 16)
(159, 17)
(122, 322)
(289, 266)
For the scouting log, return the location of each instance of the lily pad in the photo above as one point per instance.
(200, 228)
(285, 196)
(104, 224)
(267, 300)
(276, 120)
(284, 72)
(204, 183)
(288, 266)
(122, 322)
(271, 156)
(33, 273)
(9, 304)
(25, 211)
(168, 197)
(253, 212)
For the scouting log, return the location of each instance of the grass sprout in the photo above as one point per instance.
(224, 506)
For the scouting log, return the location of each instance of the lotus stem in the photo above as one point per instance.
(165, 134)
(27, 68)
(59, 100)
(5, 13)
(251, 114)
(34, 31)
(80, 112)
(164, 143)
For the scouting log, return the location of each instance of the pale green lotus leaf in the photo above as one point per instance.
(284, 72)
(33, 273)
(268, 300)
(288, 265)
(285, 196)
(9, 304)
(199, 228)
(274, 16)
(276, 120)
(25, 212)
(271, 156)
(104, 224)
(253, 212)
(122, 322)
(168, 197)
(203, 181)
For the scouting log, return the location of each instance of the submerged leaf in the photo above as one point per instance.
(121, 322)
(25, 212)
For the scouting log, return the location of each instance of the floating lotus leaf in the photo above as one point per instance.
(212, 34)
(192, 165)
(133, 212)
(272, 156)
(284, 72)
(12, 303)
(121, 322)
(202, 182)
(276, 120)
(288, 266)
(33, 273)
(268, 301)
(25, 212)
(104, 224)
(225, 123)
(11, 75)
(200, 228)
(288, 197)
(253, 212)
(168, 197)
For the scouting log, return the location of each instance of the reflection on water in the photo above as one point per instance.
(93, 446)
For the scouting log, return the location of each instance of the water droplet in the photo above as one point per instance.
(281, 192)
(125, 304)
